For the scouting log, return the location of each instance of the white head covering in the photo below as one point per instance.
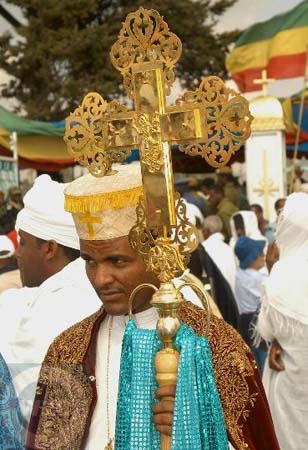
(44, 216)
(287, 285)
(7, 247)
(251, 227)
(105, 208)
(193, 212)
(292, 227)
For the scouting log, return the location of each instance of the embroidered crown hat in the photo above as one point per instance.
(105, 208)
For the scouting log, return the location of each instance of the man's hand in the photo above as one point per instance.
(163, 410)
(274, 357)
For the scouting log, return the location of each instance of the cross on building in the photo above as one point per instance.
(266, 186)
(264, 81)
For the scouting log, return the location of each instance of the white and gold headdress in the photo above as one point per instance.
(105, 208)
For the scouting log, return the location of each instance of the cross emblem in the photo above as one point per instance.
(89, 220)
(264, 81)
(266, 186)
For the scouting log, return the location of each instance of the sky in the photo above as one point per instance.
(247, 12)
(243, 14)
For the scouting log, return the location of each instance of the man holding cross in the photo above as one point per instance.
(76, 401)
(97, 386)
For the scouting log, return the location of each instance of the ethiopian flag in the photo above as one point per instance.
(278, 45)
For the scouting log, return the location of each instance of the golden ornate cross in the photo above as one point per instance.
(264, 81)
(213, 121)
(89, 220)
(266, 186)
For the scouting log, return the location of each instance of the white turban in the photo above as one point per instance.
(43, 215)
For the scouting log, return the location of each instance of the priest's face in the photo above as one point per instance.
(114, 270)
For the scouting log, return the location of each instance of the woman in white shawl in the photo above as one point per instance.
(283, 320)
(244, 223)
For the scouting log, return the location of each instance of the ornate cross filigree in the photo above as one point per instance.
(213, 121)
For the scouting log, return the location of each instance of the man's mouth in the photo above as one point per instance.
(109, 295)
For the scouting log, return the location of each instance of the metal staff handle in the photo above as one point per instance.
(133, 295)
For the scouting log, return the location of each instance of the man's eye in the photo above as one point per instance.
(90, 262)
(118, 261)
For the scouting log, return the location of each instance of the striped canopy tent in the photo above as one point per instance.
(278, 45)
(40, 144)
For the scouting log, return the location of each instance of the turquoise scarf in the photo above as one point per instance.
(198, 422)
(11, 429)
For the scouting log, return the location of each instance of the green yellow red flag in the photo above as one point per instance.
(278, 45)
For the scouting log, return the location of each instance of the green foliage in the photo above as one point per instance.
(63, 51)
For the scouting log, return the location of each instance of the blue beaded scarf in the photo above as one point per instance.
(11, 430)
(198, 422)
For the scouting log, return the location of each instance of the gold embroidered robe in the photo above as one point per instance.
(66, 392)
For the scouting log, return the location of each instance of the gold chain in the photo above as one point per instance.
(109, 445)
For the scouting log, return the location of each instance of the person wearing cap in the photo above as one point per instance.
(9, 273)
(56, 292)
(76, 397)
(248, 284)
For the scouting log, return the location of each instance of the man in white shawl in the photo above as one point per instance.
(283, 320)
(56, 292)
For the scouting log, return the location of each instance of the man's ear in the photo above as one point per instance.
(51, 249)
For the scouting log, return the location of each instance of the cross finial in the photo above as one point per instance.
(264, 81)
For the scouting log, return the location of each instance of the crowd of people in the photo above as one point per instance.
(60, 350)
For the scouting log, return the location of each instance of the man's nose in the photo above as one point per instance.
(103, 277)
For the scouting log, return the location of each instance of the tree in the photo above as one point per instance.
(63, 50)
